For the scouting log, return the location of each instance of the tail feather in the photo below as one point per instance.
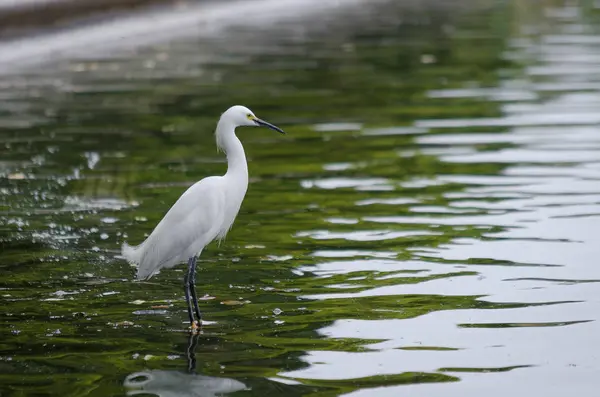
(132, 255)
(145, 262)
(148, 260)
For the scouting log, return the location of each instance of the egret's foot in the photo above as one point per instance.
(195, 327)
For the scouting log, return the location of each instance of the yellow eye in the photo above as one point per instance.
(250, 116)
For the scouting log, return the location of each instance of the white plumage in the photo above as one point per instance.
(196, 219)
(204, 212)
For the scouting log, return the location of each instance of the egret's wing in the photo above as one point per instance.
(193, 220)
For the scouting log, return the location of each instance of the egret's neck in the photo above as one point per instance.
(237, 166)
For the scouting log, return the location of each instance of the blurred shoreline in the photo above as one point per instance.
(23, 17)
(160, 24)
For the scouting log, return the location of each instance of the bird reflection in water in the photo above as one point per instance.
(180, 384)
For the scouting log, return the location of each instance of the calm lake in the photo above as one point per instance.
(429, 226)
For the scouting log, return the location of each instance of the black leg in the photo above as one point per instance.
(186, 286)
(192, 282)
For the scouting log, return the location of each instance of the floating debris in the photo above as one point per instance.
(16, 176)
(232, 303)
(121, 324)
(279, 258)
(144, 312)
(54, 333)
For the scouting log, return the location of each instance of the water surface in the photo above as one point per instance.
(428, 226)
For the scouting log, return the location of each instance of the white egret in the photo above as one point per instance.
(204, 212)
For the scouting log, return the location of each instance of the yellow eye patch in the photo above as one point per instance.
(250, 117)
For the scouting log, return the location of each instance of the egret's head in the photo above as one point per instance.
(242, 116)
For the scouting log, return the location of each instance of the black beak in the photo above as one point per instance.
(268, 125)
